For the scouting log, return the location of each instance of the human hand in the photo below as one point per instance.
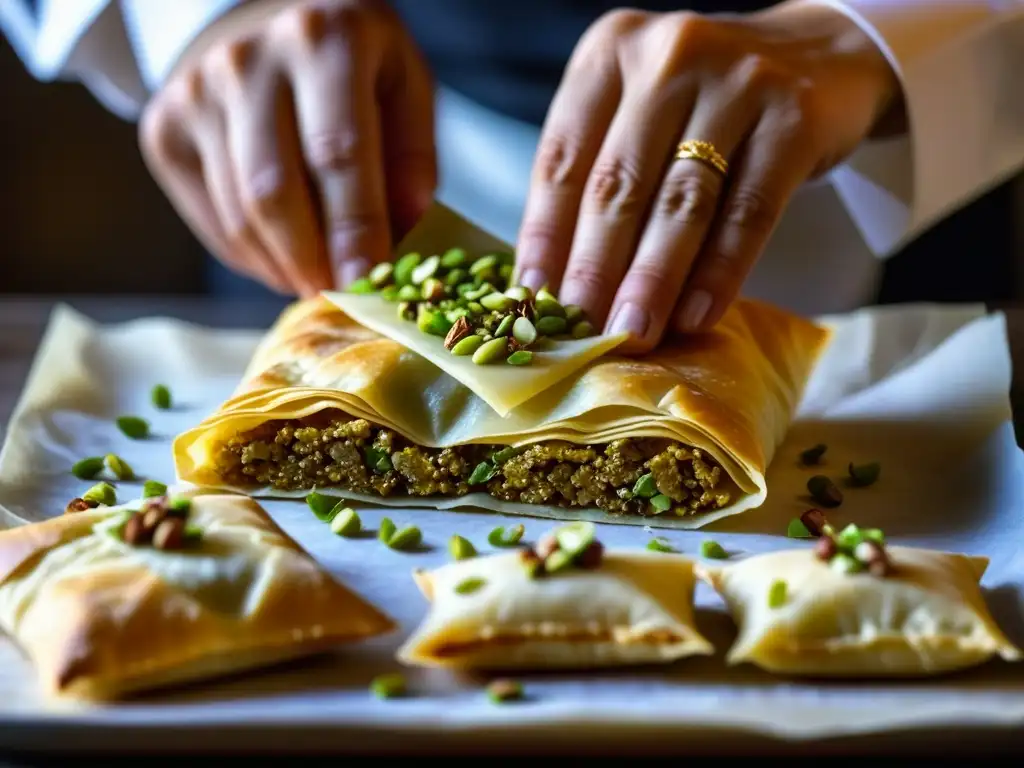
(649, 243)
(294, 137)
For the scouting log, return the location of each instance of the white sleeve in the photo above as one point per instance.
(961, 66)
(121, 51)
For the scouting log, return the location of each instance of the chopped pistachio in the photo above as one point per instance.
(519, 293)
(520, 357)
(388, 686)
(824, 491)
(467, 346)
(404, 267)
(582, 329)
(346, 522)
(500, 457)
(491, 351)
(797, 529)
(456, 277)
(557, 561)
(460, 548)
(432, 289)
(406, 310)
(712, 550)
(133, 427)
(575, 538)
(475, 308)
(549, 308)
(321, 504)
(470, 585)
(544, 293)
(181, 505)
(433, 322)
(192, 534)
(389, 292)
(550, 325)
(849, 537)
(454, 257)
(573, 313)
(645, 487)
(120, 468)
(152, 488)
(381, 274)
(485, 266)
(500, 691)
(865, 474)
(481, 473)
(102, 494)
(88, 468)
(406, 539)
(409, 293)
(386, 530)
(505, 326)
(524, 331)
(160, 395)
(844, 563)
(362, 285)
(661, 503)
(777, 594)
(425, 270)
(812, 456)
(659, 545)
(502, 537)
(377, 459)
(497, 302)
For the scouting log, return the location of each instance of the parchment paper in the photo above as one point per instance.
(921, 389)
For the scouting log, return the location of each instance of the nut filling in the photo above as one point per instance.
(331, 449)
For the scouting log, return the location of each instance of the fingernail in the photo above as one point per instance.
(696, 309)
(351, 270)
(533, 279)
(631, 319)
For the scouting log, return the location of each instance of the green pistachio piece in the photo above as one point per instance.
(575, 538)
(409, 293)
(465, 289)
(433, 322)
(425, 269)
(659, 545)
(849, 537)
(844, 563)
(559, 560)
(519, 293)
(481, 473)
(180, 506)
(475, 308)
(549, 308)
(777, 594)
(153, 488)
(406, 310)
(824, 491)
(500, 457)
(502, 537)
(88, 468)
(381, 274)
(491, 351)
(550, 325)
(456, 277)
(497, 302)
(470, 585)
(864, 474)
(505, 258)
(873, 534)
(520, 357)
(501, 691)
(812, 456)
(321, 504)
(192, 534)
(486, 266)
(389, 686)
(390, 292)
(712, 550)
(573, 313)
(544, 294)
(505, 326)
(120, 468)
(645, 487)
(102, 494)
(524, 331)
(377, 459)
(454, 257)
(404, 267)
(133, 427)
(432, 289)
(386, 530)
(460, 548)
(467, 346)
(406, 539)
(346, 522)
(361, 285)
(160, 396)
(661, 503)
(453, 315)
(797, 530)
(582, 329)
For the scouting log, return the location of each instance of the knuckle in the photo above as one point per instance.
(587, 274)
(357, 225)
(614, 186)
(232, 63)
(263, 191)
(759, 73)
(688, 198)
(689, 34)
(334, 151)
(752, 211)
(155, 131)
(540, 236)
(621, 21)
(310, 27)
(803, 112)
(558, 161)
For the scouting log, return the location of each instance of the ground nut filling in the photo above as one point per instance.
(332, 449)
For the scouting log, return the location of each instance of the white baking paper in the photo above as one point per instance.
(923, 390)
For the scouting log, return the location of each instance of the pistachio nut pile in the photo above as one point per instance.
(161, 522)
(471, 305)
(572, 546)
(853, 550)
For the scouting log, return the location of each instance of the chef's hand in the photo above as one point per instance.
(649, 243)
(294, 137)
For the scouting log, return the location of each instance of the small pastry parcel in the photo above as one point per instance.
(117, 600)
(564, 604)
(852, 606)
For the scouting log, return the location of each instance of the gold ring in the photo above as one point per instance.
(703, 151)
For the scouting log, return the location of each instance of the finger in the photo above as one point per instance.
(776, 161)
(244, 245)
(334, 70)
(577, 121)
(617, 194)
(269, 179)
(679, 220)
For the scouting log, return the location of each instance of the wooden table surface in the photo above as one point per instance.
(23, 321)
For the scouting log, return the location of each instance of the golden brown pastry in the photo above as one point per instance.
(799, 614)
(101, 617)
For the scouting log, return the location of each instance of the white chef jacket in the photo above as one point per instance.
(960, 62)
